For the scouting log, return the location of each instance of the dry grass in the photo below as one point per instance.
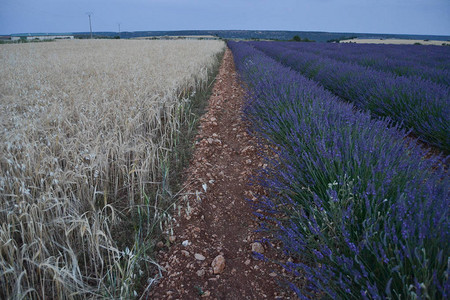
(87, 130)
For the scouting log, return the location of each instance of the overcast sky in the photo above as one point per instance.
(363, 16)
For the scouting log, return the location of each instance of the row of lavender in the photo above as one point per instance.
(418, 104)
(360, 210)
(427, 62)
(431, 56)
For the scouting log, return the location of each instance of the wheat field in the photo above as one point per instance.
(87, 132)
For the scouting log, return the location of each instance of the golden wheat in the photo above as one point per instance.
(87, 128)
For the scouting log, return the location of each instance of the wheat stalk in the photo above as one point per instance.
(87, 129)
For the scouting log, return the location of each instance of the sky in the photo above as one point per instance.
(430, 17)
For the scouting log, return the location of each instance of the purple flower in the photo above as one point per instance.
(357, 205)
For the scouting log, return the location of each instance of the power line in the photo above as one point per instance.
(90, 25)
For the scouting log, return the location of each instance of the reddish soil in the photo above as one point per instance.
(220, 221)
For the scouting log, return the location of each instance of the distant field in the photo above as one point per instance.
(178, 37)
(87, 133)
(396, 41)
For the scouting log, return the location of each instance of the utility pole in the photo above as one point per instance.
(119, 28)
(90, 25)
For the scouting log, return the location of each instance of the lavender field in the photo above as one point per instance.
(361, 209)
(432, 63)
(419, 102)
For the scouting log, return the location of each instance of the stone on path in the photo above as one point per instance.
(257, 247)
(198, 256)
(218, 264)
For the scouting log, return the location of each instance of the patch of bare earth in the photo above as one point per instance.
(216, 260)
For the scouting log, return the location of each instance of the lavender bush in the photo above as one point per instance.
(418, 104)
(363, 213)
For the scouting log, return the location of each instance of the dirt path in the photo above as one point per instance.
(220, 223)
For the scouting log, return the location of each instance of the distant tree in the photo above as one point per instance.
(296, 38)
